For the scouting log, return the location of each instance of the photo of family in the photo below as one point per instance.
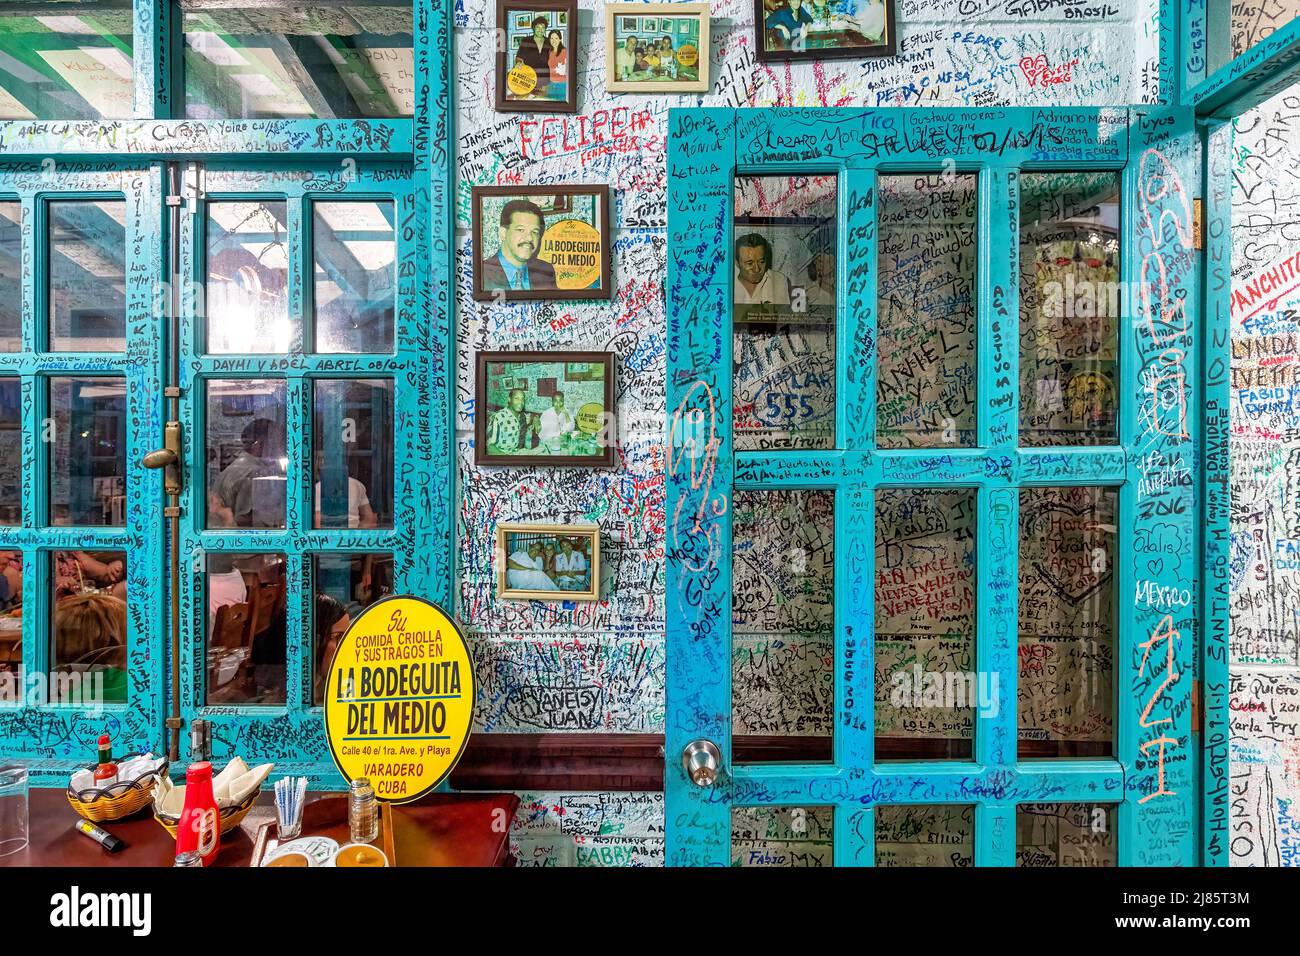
(544, 408)
(530, 245)
(536, 57)
(656, 47)
(823, 29)
(539, 561)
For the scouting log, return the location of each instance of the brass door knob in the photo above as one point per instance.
(160, 458)
(701, 760)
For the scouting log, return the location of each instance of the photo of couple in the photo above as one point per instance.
(547, 561)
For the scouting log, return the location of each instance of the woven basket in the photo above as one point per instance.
(98, 807)
(231, 817)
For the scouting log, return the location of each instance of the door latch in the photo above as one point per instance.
(168, 458)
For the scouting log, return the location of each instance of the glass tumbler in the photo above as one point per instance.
(13, 810)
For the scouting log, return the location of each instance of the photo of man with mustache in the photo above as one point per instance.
(515, 265)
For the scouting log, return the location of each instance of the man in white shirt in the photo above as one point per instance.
(625, 58)
(555, 421)
(526, 571)
(757, 283)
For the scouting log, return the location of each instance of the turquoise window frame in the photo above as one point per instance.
(1241, 82)
(1157, 150)
(126, 158)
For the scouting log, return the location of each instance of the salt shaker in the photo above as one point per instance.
(363, 811)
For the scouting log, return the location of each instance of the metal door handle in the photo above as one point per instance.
(701, 760)
(168, 458)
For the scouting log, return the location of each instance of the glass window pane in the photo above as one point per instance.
(356, 275)
(11, 272)
(88, 453)
(248, 277)
(1067, 621)
(324, 60)
(246, 457)
(353, 455)
(782, 836)
(925, 836)
(246, 628)
(11, 451)
(783, 617)
(88, 276)
(89, 600)
(11, 613)
(71, 63)
(1066, 834)
(784, 312)
(925, 382)
(1070, 308)
(1233, 26)
(345, 585)
(927, 688)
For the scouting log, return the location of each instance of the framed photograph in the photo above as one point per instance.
(823, 29)
(548, 562)
(664, 53)
(544, 408)
(530, 243)
(537, 57)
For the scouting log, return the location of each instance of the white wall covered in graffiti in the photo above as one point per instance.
(600, 667)
(1264, 647)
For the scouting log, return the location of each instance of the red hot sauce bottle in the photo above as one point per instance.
(200, 826)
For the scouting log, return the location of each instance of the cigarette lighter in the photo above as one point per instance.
(101, 836)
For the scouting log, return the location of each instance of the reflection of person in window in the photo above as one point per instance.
(90, 636)
(756, 281)
(525, 570)
(556, 423)
(11, 579)
(77, 571)
(516, 265)
(533, 52)
(510, 429)
(231, 502)
(570, 567)
(788, 23)
(360, 514)
(332, 622)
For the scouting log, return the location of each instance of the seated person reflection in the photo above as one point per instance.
(526, 570)
(90, 637)
(76, 572)
(516, 266)
(240, 496)
(756, 281)
(11, 580)
(360, 514)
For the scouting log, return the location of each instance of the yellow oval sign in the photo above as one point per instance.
(590, 417)
(688, 55)
(399, 700)
(522, 79)
(573, 247)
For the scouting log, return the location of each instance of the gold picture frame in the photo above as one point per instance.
(524, 586)
(690, 78)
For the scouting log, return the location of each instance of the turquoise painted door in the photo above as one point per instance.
(933, 488)
(307, 402)
(81, 523)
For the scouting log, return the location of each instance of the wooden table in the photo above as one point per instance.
(442, 829)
